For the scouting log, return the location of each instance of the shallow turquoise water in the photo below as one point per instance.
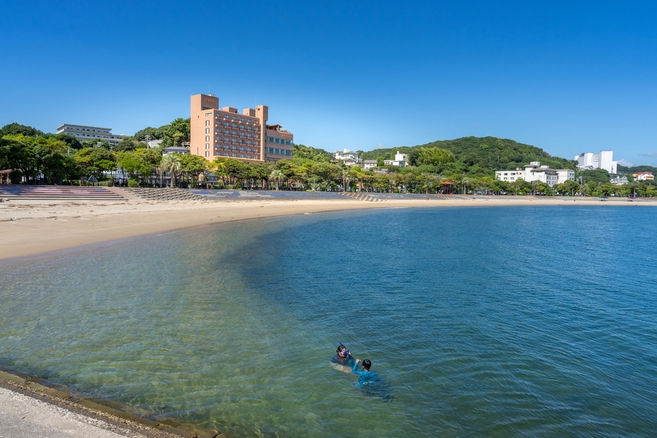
(484, 322)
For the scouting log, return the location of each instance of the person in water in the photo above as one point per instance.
(366, 377)
(342, 356)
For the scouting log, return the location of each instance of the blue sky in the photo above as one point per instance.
(567, 77)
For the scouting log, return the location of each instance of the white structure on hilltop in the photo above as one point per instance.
(603, 160)
(82, 133)
(401, 160)
(535, 172)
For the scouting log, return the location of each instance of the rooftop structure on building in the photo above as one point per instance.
(535, 172)
(82, 133)
(603, 160)
(175, 150)
(225, 133)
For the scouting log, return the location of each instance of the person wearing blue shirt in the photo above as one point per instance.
(366, 377)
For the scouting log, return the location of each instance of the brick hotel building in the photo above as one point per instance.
(224, 132)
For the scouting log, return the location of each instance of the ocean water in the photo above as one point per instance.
(482, 322)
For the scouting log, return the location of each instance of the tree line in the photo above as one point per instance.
(37, 157)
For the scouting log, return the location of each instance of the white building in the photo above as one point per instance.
(369, 164)
(565, 175)
(82, 133)
(535, 172)
(643, 176)
(346, 155)
(603, 160)
(401, 160)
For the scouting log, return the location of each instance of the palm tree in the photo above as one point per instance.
(171, 163)
(277, 176)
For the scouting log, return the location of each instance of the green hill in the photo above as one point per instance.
(636, 169)
(478, 155)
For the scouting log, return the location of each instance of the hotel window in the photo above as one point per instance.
(208, 114)
(207, 123)
(207, 130)
(207, 145)
(207, 138)
(207, 153)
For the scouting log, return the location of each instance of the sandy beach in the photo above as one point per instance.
(35, 227)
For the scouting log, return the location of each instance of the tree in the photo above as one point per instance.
(18, 129)
(277, 176)
(434, 156)
(599, 176)
(128, 143)
(175, 133)
(95, 161)
(172, 164)
(311, 153)
(193, 166)
(70, 140)
(146, 134)
(16, 153)
(140, 163)
(96, 143)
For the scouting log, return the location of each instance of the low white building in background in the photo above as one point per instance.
(401, 160)
(369, 164)
(535, 172)
(82, 133)
(619, 181)
(603, 160)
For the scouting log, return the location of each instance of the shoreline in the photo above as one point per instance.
(35, 406)
(37, 227)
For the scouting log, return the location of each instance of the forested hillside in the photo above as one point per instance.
(478, 156)
(636, 169)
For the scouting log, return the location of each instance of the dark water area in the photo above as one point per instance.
(480, 321)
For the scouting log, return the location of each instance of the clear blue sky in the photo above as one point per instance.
(568, 77)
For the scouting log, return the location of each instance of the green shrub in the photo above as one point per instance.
(132, 182)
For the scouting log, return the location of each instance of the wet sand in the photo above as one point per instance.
(35, 227)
